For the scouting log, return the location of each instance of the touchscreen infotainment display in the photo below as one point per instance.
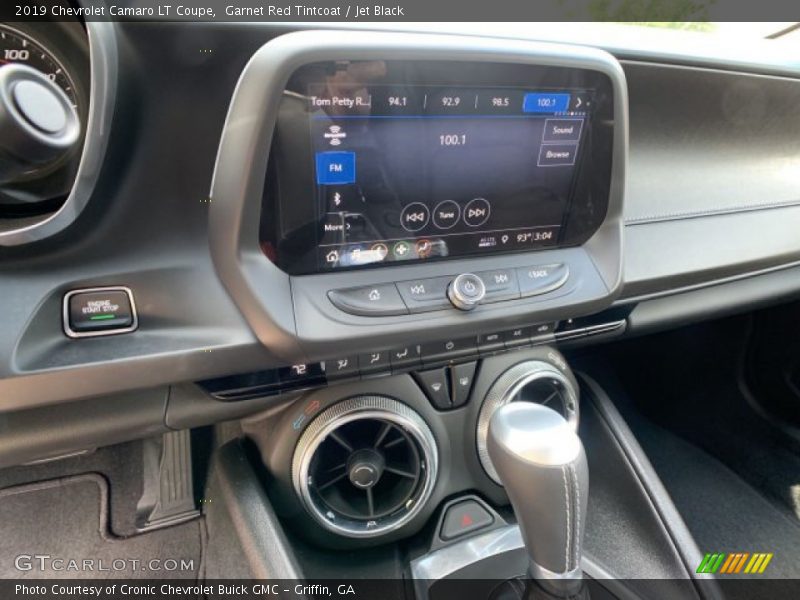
(413, 173)
(380, 164)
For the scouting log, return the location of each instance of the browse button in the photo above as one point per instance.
(540, 279)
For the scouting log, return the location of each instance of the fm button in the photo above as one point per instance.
(466, 291)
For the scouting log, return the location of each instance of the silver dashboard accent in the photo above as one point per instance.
(602, 328)
(507, 386)
(355, 409)
(446, 561)
(458, 294)
(536, 434)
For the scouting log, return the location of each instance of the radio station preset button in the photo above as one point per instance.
(372, 301)
(541, 279)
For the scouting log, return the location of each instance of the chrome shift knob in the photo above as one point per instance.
(542, 464)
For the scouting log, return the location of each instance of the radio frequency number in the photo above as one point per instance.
(453, 139)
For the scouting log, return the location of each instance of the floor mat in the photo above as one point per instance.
(120, 465)
(723, 512)
(66, 520)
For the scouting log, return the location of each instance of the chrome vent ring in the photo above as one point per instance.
(365, 466)
(530, 381)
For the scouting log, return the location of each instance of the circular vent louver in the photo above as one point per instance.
(365, 466)
(530, 381)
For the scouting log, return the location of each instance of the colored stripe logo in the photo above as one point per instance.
(735, 562)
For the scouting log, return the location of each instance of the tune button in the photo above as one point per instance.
(446, 214)
(466, 291)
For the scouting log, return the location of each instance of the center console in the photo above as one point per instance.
(410, 224)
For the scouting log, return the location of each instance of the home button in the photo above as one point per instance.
(372, 300)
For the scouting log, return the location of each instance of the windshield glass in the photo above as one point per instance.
(743, 31)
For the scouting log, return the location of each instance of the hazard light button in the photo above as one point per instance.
(463, 518)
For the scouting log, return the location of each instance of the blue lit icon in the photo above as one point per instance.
(336, 168)
(542, 102)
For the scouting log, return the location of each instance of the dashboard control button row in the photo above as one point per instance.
(342, 368)
(501, 284)
(406, 357)
(521, 336)
(466, 291)
(490, 342)
(422, 295)
(99, 311)
(462, 377)
(371, 300)
(434, 352)
(543, 333)
(373, 362)
(302, 375)
(541, 279)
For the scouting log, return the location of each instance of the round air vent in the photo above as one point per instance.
(365, 466)
(530, 381)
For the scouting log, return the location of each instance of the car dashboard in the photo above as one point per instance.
(332, 234)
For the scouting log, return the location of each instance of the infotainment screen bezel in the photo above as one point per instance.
(290, 222)
(293, 316)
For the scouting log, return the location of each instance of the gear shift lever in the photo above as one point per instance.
(542, 465)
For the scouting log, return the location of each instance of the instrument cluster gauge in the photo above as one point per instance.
(18, 47)
(44, 83)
